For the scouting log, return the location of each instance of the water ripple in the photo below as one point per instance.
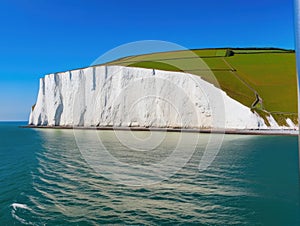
(66, 190)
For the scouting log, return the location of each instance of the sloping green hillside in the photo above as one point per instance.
(262, 79)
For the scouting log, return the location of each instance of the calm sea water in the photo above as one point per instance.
(45, 180)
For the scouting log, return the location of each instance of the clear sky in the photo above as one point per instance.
(40, 36)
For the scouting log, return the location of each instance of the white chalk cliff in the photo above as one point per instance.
(138, 97)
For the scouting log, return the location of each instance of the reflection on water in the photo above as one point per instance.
(138, 158)
(252, 181)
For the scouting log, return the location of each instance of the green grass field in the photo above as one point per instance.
(244, 74)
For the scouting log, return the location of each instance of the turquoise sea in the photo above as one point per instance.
(45, 179)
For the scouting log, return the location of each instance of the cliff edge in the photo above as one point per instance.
(118, 96)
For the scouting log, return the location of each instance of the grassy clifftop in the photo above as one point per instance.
(262, 79)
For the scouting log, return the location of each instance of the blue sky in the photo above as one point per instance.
(39, 36)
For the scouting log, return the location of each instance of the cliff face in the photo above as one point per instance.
(122, 96)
